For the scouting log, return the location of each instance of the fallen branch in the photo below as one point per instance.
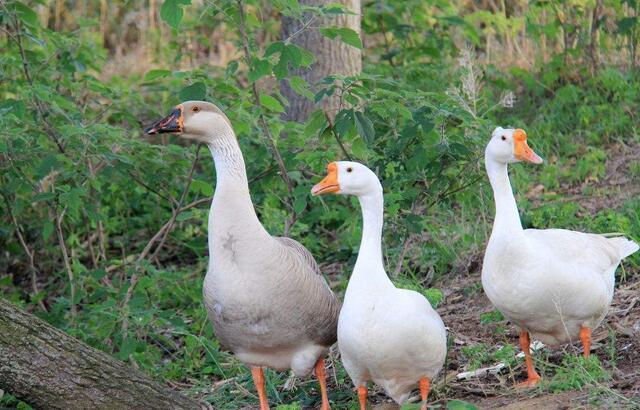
(495, 369)
(51, 370)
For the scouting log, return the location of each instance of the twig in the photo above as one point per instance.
(180, 202)
(263, 123)
(300, 30)
(170, 199)
(387, 45)
(67, 262)
(406, 243)
(28, 251)
(25, 68)
(403, 253)
(162, 235)
(337, 137)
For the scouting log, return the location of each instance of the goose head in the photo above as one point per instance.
(510, 145)
(201, 121)
(348, 178)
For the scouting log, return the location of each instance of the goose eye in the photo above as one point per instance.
(195, 109)
(349, 169)
(503, 138)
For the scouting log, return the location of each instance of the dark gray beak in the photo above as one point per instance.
(172, 123)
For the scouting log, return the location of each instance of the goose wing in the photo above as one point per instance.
(318, 296)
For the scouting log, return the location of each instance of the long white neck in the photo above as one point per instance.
(507, 220)
(369, 267)
(231, 208)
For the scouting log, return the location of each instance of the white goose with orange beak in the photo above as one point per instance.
(554, 284)
(387, 335)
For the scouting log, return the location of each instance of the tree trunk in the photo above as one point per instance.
(331, 57)
(51, 370)
(593, 42)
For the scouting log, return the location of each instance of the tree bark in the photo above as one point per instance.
(332, 57)
(51, 370)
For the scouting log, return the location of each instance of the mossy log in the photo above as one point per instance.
(49, 369)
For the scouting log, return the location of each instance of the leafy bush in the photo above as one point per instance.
(103, 230)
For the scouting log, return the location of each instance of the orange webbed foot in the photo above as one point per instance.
(532, 381)
(532, 376)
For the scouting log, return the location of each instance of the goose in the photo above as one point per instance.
(553, 284)
(387, 335)
(265, 295)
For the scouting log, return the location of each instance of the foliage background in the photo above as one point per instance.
(103, 231)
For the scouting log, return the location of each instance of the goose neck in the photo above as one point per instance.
(507, 219)
(231, 208)
(369, 266)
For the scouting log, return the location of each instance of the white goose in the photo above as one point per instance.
(387, 335)
(553, 283)
(265, 295)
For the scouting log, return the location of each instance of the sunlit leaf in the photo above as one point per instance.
(271, 103)
(171, 12)
(347, 35)
(196, 91)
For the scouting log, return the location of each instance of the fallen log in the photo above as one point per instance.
(49, 369)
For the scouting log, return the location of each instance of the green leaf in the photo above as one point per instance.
(47, 164)
(300, 86)
(43, 196)
(183, 216)
(127, 347)
(196, 91)
(460, 405)
(626, 25)
(203, 187)
(299, 204)
(336, 8)
(316, 123)
(364, 127)
(11, 106)
(26, 14)
(275, 47)
(231, 69)
(344, 121)
(347, 35)
(171, 12)
(259, 68)
(47, 229)
(154, 74)
(289, 8)
(72, 199)
(271, 103)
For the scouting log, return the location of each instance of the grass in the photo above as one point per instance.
(587, 142)
(179, 345)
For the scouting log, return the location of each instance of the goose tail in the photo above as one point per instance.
(624, 246)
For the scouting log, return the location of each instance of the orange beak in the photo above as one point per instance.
(329, 185)
(521, 149)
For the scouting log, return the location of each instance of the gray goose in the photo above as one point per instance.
(265, 295)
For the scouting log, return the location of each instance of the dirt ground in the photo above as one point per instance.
(465, 302)
(497, 391)
(619, 335)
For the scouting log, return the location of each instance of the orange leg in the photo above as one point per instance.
(532, 377)
(362, 397)
(424, 392)
(322, 378)
(258, 380)
(585, 338)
